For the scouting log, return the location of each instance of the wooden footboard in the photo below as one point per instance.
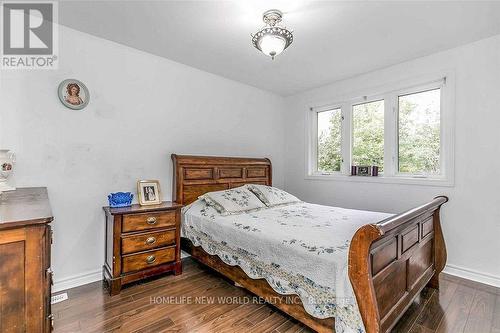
(390, 262)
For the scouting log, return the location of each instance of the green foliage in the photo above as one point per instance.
(329, 153)
(368, 134)
(368, 138)
(419, 137)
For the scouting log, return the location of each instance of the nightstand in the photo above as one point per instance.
(140, 242)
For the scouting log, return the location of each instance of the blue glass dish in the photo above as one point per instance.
(120, 199)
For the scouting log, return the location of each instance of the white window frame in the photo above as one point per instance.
(314, 139)
(389, 93)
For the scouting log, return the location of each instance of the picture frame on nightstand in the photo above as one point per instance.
(148, 192)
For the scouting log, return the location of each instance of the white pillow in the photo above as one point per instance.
(233, 201)
(272, 196)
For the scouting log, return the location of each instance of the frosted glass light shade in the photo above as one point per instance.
(272, 45)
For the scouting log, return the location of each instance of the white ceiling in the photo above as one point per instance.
(332, 40)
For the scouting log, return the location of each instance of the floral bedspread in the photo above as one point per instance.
(299, 248)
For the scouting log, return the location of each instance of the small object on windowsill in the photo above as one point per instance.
(120, 199)
(364, 170)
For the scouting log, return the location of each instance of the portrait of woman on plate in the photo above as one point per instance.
(73, 94)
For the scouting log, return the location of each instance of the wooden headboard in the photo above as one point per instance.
(197, 175)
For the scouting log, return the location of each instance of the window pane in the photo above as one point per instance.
(368, 134)
(329, 138)
(419, 132)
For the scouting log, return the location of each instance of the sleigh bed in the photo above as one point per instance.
(389, 261)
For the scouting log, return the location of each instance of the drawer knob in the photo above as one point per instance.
(150, 240)
(151, 220)
(150, 259)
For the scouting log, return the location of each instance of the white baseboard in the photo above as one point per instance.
(77, 280)
(473, 275)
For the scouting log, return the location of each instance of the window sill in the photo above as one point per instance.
(428, 181)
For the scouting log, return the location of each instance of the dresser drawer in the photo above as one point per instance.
(136, 262)
(147, 241)
(135, 222)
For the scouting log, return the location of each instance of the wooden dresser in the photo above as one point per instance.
(141, 241)
(25, 274)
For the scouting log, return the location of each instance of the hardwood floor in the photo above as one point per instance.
(201, 301)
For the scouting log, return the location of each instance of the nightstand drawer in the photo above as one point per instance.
(136, 262)
(135, 222)
(147, 241)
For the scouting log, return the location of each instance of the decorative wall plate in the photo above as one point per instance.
(73, 94)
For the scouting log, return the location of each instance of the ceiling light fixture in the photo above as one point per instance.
(273, 38)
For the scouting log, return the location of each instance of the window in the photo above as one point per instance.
(419, 132)
(406, 132)
(329, 140)
(368, 134)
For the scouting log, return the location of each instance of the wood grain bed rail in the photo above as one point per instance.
(390, 262)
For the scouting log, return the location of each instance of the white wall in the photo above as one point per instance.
(142, 109)
(471, 219)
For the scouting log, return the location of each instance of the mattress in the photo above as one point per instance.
(299, 249)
